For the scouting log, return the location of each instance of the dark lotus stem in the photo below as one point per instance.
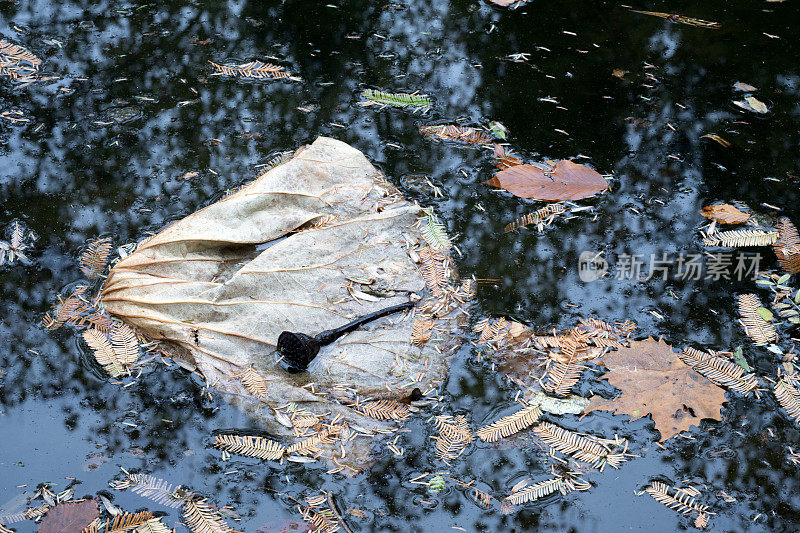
(299, 349)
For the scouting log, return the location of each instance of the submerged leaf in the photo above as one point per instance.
(725, 214)
(69, 517)
(745, 87)
(566, 181)
(751, 103)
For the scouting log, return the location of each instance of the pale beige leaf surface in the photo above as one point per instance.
(221, 284)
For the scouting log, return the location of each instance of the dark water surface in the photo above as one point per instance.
(134, 108)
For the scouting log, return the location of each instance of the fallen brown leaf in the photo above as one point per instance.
(619, 73)
(654, 380)
(566, 181)
(70, 517)
(725, 214)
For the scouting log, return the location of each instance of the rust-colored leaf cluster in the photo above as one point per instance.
(787, 247)
(18, 63)
(450, 132)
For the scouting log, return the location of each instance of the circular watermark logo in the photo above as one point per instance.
(591, 266)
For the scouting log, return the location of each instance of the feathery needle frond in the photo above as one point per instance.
(787, 247)
(311, 445)
(397, 99)
(454, 435)
(153, 526)
(741, 238)
(250, 446)
(508, 425)
(121, 523)
(719, 371)
(153, 488)
(789, 397)
(67, 310)
(455, 133)
(581, 447)
(201, 518)
(383, 409)
(562, 484)
(680, 501)
(93, 260)
(421, 332)
(537, 218)
(561, 377)
(255, 70)
(758, 329)
(104, 352)
(432, 269)
(434, 232)
(17, 63)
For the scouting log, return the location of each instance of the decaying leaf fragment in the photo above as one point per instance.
(218, 287)
(751, 103)
(565, 181)
(69, 516)
(725, 214)
(654, 380)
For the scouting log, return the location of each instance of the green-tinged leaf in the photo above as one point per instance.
(397, 99)
(498, 130)
(436, 484)
(434, 232)
(797, 297)
(750, 103)
(783, 279)
(764, 282)
(765, 313)
(794, 320)
(738, 358)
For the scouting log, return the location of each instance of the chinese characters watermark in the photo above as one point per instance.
(680, 266)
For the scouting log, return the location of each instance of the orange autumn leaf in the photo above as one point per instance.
(566, 181)
(725, 214)
(654, 380)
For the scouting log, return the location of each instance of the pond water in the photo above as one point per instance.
(133, 108)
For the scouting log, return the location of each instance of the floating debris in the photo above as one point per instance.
(255, 70)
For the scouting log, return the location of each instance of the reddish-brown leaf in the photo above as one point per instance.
(725, 214)
(70, 517)
(566, 181)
